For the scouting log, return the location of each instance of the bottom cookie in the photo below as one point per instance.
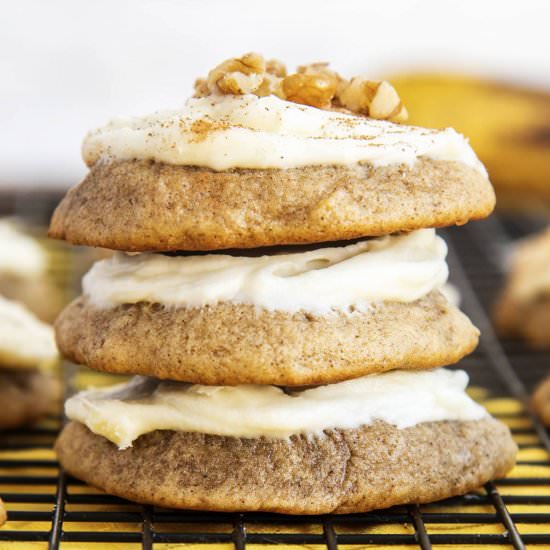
(26, 395)
(343, 471)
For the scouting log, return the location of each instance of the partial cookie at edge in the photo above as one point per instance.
(541, 401)
(39, 295)
(530, 320)
(3, 514)
(342, 471)
(522, 310)
(26, 395)
(143, 205)
(230, 344)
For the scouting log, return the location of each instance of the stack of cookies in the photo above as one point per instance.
(277, 291)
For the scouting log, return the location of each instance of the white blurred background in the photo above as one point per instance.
(69, 65)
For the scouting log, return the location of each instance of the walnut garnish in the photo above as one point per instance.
(315, 84)
(237, 76)
(275, 68)
(324, 69)
(201, 88)
(316, 90)
(375, 99)
(271, 85)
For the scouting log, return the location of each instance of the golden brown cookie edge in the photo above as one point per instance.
(230, 344)
(342, 471)
(143, 205)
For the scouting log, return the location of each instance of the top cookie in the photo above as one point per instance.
(262, 159)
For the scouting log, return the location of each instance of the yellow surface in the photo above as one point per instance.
(508, 410)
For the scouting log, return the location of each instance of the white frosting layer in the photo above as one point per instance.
(402, 398)
(222, 132)
(20, 254)
(393, 268)
(24, 340)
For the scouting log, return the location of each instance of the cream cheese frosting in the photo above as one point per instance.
(392, 268)
(124, 412)
(25, 341)
(224, 132)
(20, 254)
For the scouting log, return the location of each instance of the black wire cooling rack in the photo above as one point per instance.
(48, 509)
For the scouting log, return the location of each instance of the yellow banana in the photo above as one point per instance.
(508, 126)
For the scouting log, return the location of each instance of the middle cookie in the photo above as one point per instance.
(312, 316)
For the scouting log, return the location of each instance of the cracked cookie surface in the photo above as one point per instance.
(231, 344)
(143, 205)
(340, 471)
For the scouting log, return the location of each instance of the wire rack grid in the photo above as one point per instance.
(49, 509)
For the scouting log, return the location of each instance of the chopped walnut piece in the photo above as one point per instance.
(316, 90)
(237, 76)
(315, 84)
(386, 104)
(401, 116)
(271, 85)
(319, 67)
(358, 94)
(315, 68)
(323, 68)
(275, 67)
(201, 88)
(375, 99)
